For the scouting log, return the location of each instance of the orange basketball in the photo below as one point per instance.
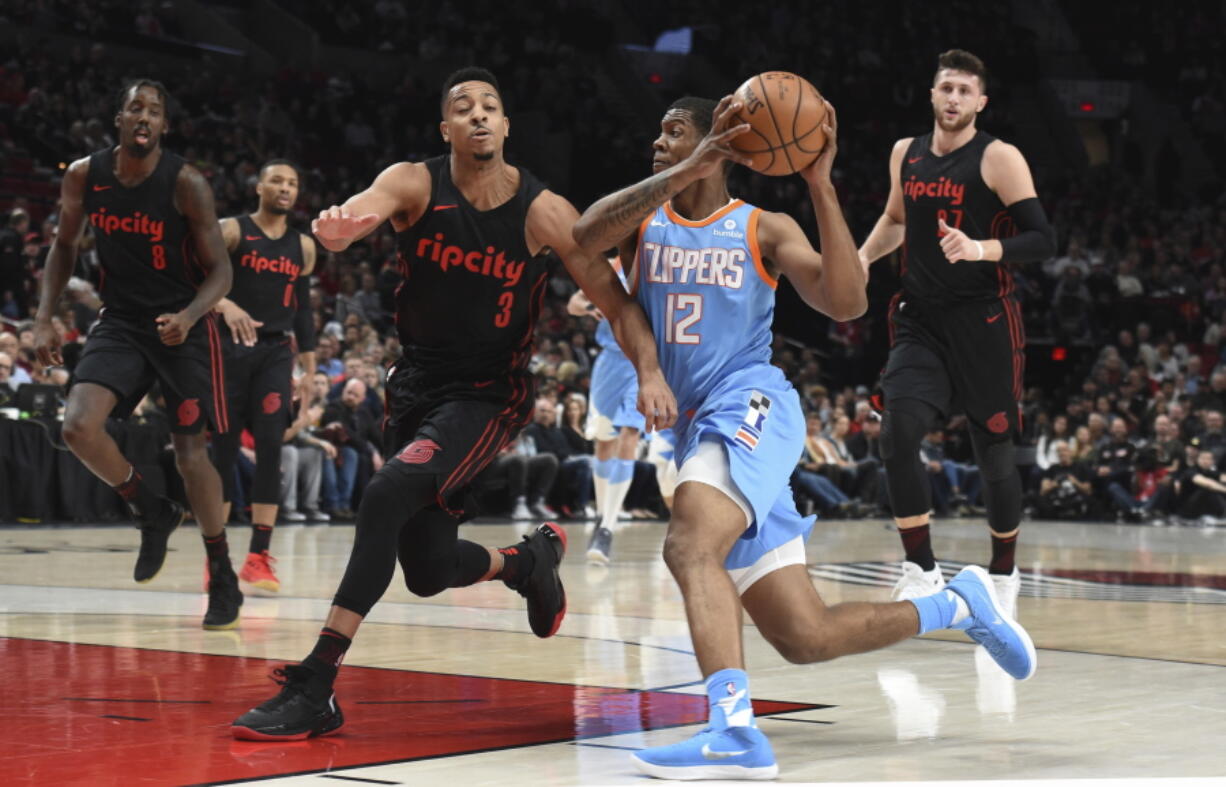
(785, 113)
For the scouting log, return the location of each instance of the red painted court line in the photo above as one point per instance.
(1174, 579)
(69, 713)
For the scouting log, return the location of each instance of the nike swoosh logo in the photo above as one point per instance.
(657, 224)
(484, 384)
(445, 207)
(913, 160)
(252, 237)
(101, 188)
(720, 755)
(994, 317)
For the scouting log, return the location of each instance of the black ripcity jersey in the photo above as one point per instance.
(950, 187)
(266, 274)
(472, 290)
(148, 261)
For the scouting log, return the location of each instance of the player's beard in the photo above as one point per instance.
(962, 122)
(484, 156)
(277, 210)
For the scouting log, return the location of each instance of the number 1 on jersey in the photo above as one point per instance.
(676, 323)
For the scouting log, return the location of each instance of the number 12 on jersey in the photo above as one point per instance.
(682, 311)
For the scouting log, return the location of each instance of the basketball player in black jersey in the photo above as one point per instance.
(472, 231)
(164, 268)
(964, 203)
(267, 310)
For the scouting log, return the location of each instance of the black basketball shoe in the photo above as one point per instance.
(542, 586)
(224, 599)
(154, 535)
(305, 707)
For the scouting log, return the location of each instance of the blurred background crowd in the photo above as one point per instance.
(1126, 326)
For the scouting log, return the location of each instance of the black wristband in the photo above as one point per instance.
(1035, 240)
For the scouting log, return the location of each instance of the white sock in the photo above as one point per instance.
(616, 494)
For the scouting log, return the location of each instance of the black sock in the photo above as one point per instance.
(916, 542)
(261, 537)
(516, 564)
(136, 493)
(329, 651)
(218, 552)
(1003, 550)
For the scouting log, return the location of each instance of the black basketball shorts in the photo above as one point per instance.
(126, 356)
(451, 432)
(259, 381)
(967, 357)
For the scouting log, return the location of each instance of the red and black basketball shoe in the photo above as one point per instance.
(305, 707)
(542, 587)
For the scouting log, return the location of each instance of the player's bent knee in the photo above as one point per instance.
(902, 429)
(425, 583)
(191, 451)
(996, 461)
(685, 550)
(800, 647)
(393, 494)
(78, 430)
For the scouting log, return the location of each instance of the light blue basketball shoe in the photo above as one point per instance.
(991, 625)
(730, 753)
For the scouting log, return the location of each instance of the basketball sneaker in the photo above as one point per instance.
(1008, 586)
(730, 753)
(991, 625)
(257, 572)
(915, 582)
(154, 535)
(542, 587)
(599, 547)
(521, 510)
(304, 708)
(224, 600)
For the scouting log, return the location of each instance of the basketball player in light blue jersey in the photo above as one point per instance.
(613, 422)
(705, 270)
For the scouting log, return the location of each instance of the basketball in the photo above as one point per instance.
(785, 113)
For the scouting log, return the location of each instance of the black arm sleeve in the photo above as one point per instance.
(304, 318)
(1035, 240)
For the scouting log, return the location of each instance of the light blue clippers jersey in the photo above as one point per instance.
(707, 295)
(604, 331)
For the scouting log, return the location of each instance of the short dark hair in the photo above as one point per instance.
(466, 74)
(279, 162)
(961, 60)
(136, 84)
(700, 110)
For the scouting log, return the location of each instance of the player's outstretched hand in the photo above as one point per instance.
(818, 171)
(657, 403)
(242, 327)
(957, 246)
(715, 146)
(47, 344)
(173, 328)
(336, 228)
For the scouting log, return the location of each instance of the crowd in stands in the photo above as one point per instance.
(1134, 430)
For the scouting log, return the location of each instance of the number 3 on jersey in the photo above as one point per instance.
(683, 310)
(503, 318)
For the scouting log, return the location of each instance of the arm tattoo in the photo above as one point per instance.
(627, 207)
